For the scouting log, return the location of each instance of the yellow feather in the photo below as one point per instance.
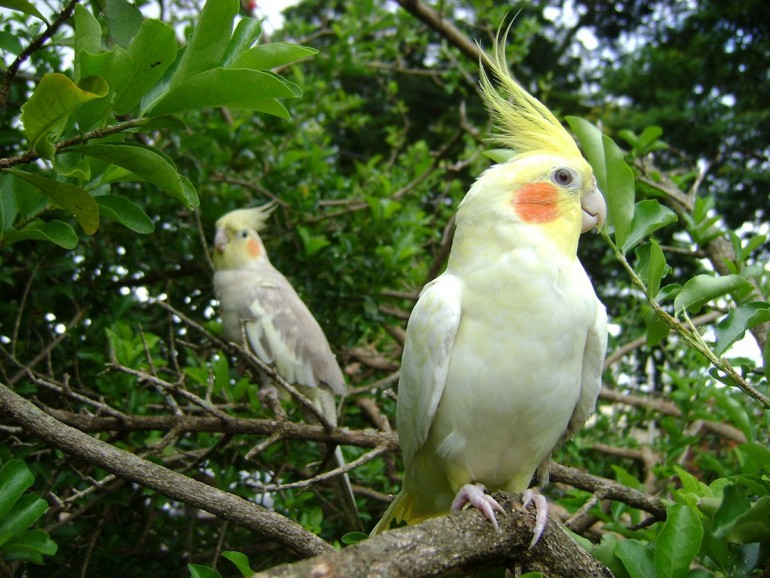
(253, 218)
(521, 122)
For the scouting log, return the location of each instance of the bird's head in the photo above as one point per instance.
(237, 242)
(546, 181)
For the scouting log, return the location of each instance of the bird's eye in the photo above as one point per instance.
(244, 234)
(563, 177)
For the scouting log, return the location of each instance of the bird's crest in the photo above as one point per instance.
(253, 218)
(521, 122)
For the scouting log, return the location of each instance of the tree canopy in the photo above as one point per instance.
(135, 438)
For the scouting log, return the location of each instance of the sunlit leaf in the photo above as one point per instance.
(208, 42)
(678, 542)
(72, 198)
(147, 163)
(267, 56)
(46, 111)
(23, 6)
(614, 177)
(240, 88)
(153, 50)
(703, 288)
(637, 559)
(733, 327)
(241, 562)
(246, 33)
(649, 216)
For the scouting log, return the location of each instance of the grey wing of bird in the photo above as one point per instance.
(282, 330)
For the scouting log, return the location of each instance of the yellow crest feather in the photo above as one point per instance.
(253, 218)
(521, 122)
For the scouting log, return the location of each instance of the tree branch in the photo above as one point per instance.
(465, 542)
(150, 475)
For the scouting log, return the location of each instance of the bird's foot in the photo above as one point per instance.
(541, 513)
(474, 495)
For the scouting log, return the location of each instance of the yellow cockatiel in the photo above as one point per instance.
(258, 301)
(504, 350)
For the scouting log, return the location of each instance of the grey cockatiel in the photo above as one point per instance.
(258, 301)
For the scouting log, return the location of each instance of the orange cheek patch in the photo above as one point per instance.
(537, 203)
(253, 248)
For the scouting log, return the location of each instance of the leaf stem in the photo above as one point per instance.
(689, 333)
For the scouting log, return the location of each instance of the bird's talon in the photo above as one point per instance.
(541, 513)
(474, 495)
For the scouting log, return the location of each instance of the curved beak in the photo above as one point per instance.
(594, 210)
(220, 240)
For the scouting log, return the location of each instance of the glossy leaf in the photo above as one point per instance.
(9, 207)
(208, 42)
(657, 328)
(71, 198)
(144, 162)
(614, 177)
(25, 512)
(651, 266)
(126, 213)
(15, 479)
(153, 50)
(703, 288)
(124, 20)
(267, 56)
(200, 571)
(678, 542)
(54, 231)
(30, 546)
(246, 33)
(241, 562)
(214, 88)
(88, 36)
(23, 6)
(637, 559)
(649, 216)
(733, 327)
(46, 111)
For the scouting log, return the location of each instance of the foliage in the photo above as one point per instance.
(115, 168)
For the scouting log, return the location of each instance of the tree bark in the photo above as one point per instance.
(164, 481)
(465, 542)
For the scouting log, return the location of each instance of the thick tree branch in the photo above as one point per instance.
(169, 483)
(465, 542)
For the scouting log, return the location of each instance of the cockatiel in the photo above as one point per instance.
(258, 301)
(504, 350)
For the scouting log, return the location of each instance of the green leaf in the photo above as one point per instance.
(657, 328)
(267, 56)
(146, 163)
(737, 413)
(614, 177)
(124, 20)
(246, 33)
(126, 213)
(25, 512)
(215, 88)
(734, 505)
(15, 479)
(312, 243)
(649, 216)
(605, 552)
(113, 67)
(72, 198)
(637, 558)
(23, 6)
(208, 42)
(241, 562)
(30, 546)
(153, 50)
(54, 231)
(88, 36)
(733, 327)
(200, 571)
(651, 266)
(9, 207)
(752, 526)
(354, 538)
(678, 542)
(49, 107)
(703, 288)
